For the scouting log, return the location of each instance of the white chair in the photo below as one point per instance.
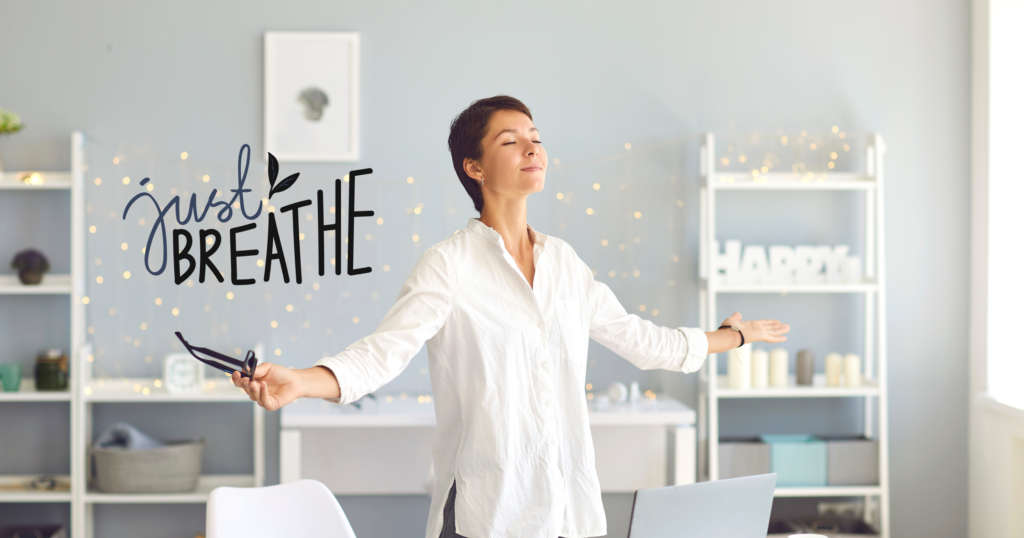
(301, 508)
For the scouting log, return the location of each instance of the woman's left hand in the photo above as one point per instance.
(761, 330)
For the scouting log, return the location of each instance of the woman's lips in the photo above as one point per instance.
(532, 168)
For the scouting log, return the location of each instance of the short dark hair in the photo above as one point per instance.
(467, 132)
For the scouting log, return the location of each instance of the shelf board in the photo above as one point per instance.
(146, 390)
(32, 496)
(27, 393)
(829, 491)
(51, 181)
(207, 483)
(816, 390)
(52, 284)
(824, 181)
(722, 287)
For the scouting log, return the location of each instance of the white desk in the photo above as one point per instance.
(385, 449)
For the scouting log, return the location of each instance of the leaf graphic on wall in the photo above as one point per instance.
(284, 184)
(272, 170)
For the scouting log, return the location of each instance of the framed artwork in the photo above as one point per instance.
(311, 96)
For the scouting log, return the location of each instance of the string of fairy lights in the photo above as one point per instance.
(575, 190)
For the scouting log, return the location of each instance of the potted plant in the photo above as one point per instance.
(31, 264)
(9, 123)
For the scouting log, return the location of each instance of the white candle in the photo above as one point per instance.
(759, 369)
(739, 367)
(851, 370)
(851, 270)
(778, 368)
(833, 369)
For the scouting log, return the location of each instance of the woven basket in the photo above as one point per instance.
(168, 469)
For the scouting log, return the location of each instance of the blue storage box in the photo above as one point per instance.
(799, 460)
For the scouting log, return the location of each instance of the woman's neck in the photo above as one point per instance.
(509, 220)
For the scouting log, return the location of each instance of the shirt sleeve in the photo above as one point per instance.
(640, 341)
(423, 305)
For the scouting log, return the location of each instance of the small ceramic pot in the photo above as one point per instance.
(30, 277)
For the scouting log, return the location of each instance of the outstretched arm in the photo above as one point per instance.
(419, 313)
(649, 346)
(762, 330)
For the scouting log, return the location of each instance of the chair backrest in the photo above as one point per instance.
(301, 508)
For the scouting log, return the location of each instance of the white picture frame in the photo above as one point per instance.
(302, 70)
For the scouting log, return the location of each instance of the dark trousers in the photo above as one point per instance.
(448, 522)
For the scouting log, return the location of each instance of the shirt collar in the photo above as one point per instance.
(492, 234)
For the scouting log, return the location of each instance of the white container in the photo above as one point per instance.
(778, 367)
(833, 369)
(738, 367)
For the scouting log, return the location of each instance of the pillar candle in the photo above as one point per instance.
(739, 367)
(833, 368)
(804, 367)
(759, 369)
(851, 370)
(778, 368)
(851, 270)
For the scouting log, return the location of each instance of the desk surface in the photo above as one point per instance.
(391, 411)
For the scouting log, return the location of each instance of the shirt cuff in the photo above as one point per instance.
(696, 349)
(340, 371)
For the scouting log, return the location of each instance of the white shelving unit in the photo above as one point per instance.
(71, 285)
(149, 391)
(874, 390)
(84, 391)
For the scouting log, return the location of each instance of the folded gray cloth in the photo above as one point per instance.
(126, 436)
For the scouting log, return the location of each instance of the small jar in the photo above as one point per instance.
(52, 370)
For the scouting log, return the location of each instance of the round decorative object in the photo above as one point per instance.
(31, 265)
(52, 370)
(617, 393)
(182, 373)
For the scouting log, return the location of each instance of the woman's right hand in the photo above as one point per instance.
(272, 386)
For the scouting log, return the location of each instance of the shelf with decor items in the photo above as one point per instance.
(152, 391)
(53, 487)
(869, 286)
(817, 389)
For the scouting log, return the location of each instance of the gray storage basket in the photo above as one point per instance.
(168, 469)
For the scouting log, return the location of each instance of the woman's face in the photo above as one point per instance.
(513, 161)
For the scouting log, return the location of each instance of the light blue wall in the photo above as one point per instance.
(147, 81)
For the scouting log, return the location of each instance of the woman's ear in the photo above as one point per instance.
(472, 169)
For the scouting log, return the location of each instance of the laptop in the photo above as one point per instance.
(732, 508)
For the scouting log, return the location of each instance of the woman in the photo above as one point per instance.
(506, 313)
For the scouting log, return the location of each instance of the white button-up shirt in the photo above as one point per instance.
(507, 368)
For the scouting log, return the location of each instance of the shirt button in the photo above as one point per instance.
(544, 363)
(547, 403)
(553, 442)
(540, 324)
